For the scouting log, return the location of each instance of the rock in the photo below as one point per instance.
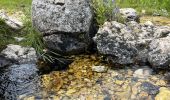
(162, 31)
(99, 69)
(129, 14)
(20, 54)
(67, 26)
(149, 88)
(160, 53)
(134, 43)
(17, 80)
(4, 62)
(19, 39)
(10, 21)
(110, 43)
(65, 44)
(163, 94)
(148, 23)
(143, 72)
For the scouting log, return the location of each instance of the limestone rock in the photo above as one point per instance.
(143, 72)
(16, 80)
(99, 69)
(10, 21)
(67, 25)
(20, 54)
(129, 14)
(160, 52)
(163, 94)
(133, 43)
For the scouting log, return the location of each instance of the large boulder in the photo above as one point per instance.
(134, 43)
(67, 25)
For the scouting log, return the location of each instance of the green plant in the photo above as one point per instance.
(35, 40)
(151, 6)
(6, 34)
(103, 10)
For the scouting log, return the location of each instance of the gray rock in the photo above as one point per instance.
(148, 23)
(144, 72)
(149, 88)
(99, 69)
(19, 80)
(162, 31)
(134, 43)
(67, 25)
(11, 22)
(4, 62)
(20, 54)
(160, 53)
(129, 14)
(109, 42)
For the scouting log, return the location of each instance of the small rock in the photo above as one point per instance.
(20, 54)
(107, 98)
(143, 72)
(129, 14)
(19, 81)
(164, 94)
(19, 39)
(149, 88)
(71, 20)
(99, 69)
(11, 22)
(119, 82)
(148, 23)
(70, 91)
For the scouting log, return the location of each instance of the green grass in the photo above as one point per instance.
(33, 37)
(15, 5)
(103, 13)
(151, 6)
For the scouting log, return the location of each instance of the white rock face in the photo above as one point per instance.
(10, 21)
(20, 54)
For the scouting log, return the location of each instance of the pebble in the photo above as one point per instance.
(164, 94)
(99, 69)
(149, 88)
(143, 72)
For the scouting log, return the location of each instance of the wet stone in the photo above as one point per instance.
(149, 88)
(17, 80)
